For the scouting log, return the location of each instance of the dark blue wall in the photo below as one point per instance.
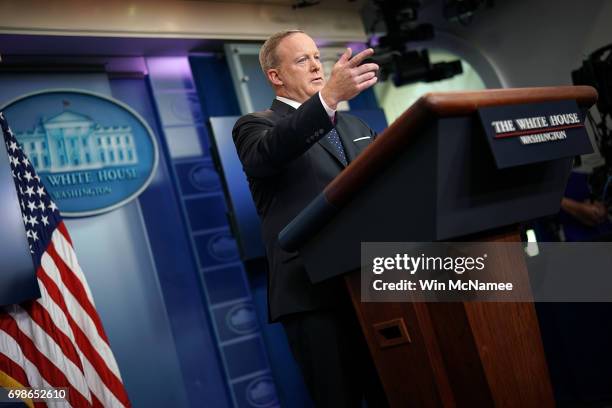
(176, 269)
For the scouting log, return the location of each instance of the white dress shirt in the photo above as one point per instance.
(294, 104)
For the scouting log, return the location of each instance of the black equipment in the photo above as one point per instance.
(596, 71)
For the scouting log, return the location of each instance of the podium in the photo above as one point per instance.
(434, 175)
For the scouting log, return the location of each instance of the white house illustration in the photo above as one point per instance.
(70, 141)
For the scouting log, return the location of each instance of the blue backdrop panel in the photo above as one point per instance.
(199, 211)
(365, 101)
(226, 284)
(197, 177)
(216, 248)
(223, 280)
(247, 359)
(258, 392)
(235, 320)
(214, 85)
(246, 226)
(176, 270)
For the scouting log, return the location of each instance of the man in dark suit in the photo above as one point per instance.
(289, 154)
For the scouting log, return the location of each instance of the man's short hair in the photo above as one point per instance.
(267, 54)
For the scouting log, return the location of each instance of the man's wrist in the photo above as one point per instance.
(327, 100)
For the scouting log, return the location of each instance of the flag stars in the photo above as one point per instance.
(33, 221)
(36, 205)
(14, 161)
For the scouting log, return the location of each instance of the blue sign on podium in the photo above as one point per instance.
(535, 132)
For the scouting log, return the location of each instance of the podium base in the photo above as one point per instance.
(464, 354)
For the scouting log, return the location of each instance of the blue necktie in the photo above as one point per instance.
(334, 138)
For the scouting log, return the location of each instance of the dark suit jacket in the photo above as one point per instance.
(288, 162)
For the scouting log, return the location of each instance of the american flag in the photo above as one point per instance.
(56, 341)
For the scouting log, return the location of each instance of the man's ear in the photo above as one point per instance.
(274, 78)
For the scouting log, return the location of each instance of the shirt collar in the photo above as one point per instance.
(289, 102)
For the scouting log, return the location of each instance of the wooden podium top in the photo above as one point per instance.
(445, 104)
(437, 105)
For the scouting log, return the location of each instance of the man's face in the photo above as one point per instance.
(300, 73)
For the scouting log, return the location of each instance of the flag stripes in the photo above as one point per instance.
(48, 371)
(16, 379)
(86, 331)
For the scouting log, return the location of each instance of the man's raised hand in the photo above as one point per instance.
(348, 78)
